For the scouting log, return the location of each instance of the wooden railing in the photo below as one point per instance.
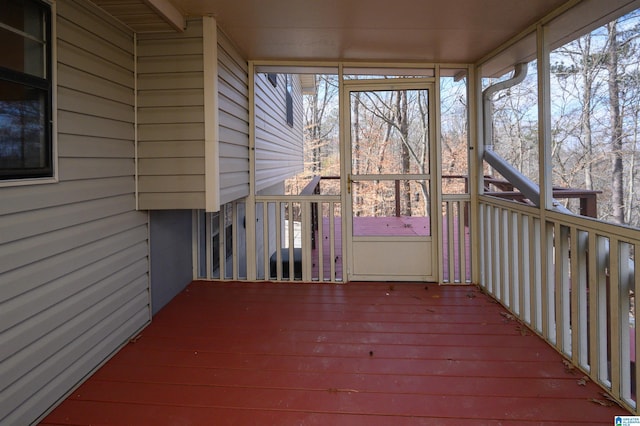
(291, 233)
(572, 280)
(504, 189)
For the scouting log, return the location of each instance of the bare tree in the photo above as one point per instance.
(617, 185)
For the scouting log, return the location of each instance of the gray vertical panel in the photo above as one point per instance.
(171, 254)
(74, 279)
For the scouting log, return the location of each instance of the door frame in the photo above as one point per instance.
(350, 244)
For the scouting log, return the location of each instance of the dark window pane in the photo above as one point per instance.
(22, 41)
(289, 100)
(21, 54)
(24, 140)
(24, 16)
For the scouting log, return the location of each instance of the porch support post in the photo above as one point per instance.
(211, 118)
(250, 206)
(545, 176)
(436, 182)
(476, 149)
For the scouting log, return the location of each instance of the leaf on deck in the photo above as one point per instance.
(602, 402)
(508, 316)
(568, 367)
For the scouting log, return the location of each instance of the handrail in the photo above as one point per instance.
(530, 189)
(313, 187)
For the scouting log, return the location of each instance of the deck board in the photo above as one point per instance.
(319, 354)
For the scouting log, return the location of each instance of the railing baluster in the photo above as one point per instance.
(278, 215)
(291, 243)
(548, 288)
(266, 253)
(505, 256)
(332, 240)
(234, 241)
(603, 338)
(522, 260)
(495, 259)
(451, 252)
(594, 345)
(525, 267)
(536, 299)
(320, 240)
(563, 301)
(615, 357)
(305, 239)
(581, 281)
(624, 307)
(462, 241)
(512, 240)
(575, 292)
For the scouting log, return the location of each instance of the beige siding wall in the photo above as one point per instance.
(278, 146)
(171, 163)
(171, 131)
(233, 105)
(74, 280)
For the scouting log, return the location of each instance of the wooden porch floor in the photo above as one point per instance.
(323, 354)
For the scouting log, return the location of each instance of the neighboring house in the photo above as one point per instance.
(131, 132)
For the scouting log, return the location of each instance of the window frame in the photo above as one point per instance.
(47, 84)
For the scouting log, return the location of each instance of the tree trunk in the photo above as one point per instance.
(355, 149)
(402, 109)
(617, 188)
(585, 116)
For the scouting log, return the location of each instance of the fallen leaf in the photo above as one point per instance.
(135, 339)
(435, 296)
(609, 398)
(471, 295)
(568, 367)
(508, 316)
(583, 381)
(602, 402)
(523, 330)
(392, 287)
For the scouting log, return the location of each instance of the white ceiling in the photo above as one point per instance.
(442, 31)
(454, 31)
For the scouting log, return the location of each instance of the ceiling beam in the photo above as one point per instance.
(168, 12)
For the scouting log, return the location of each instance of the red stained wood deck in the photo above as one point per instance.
(324, 354)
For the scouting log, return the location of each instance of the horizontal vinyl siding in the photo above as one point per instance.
(233, 132)
(171, 120)
(74, 275)
(279, 147)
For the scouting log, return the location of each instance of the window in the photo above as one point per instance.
(273, 78)
(25, 90)
(289, 99)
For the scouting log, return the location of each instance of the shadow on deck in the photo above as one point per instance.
(326, 354)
